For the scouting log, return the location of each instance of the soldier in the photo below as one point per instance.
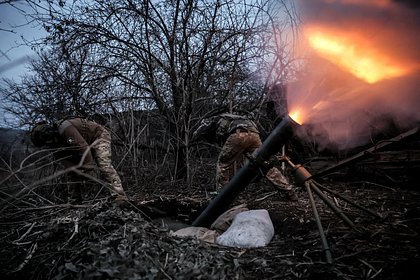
(239, 136)
(80, 142)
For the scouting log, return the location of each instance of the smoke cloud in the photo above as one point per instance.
(344, 109)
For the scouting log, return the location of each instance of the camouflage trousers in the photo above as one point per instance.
(101, 151)
(75, 184)
(236, 146)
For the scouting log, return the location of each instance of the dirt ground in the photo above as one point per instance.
(99, 240)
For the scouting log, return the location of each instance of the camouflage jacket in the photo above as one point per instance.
(75, 136)
(218, 128)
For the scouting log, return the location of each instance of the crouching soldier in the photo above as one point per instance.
(80, 142)
(239, 136)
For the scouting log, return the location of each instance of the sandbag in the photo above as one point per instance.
(201, 233)
(249, 229)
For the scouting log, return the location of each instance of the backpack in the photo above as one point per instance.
(228, 123)
(83, 132)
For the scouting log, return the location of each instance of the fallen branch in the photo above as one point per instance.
(66, 205)
(267, 196)
(76, 229)
(28, 257)
(25, 234)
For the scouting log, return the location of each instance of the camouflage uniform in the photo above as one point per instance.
(240, 136)
(78, 139)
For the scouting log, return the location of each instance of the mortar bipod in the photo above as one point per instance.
(303, 177)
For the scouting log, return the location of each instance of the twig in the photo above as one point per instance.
(367, 264)
(166, 260)
(336, 202)
(267, 196)
(354, 254)
(375, 184)
(25, 234)
(28, 257)
(75, 169)
(22, 243)
(66, 205)
(376, 274)
(131, 146)
(76, 229)
(160, 267)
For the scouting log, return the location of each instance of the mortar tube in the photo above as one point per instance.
(283, 132)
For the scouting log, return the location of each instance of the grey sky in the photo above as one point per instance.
(13, 54)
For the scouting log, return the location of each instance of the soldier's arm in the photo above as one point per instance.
(206, 127)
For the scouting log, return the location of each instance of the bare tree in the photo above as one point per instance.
(64, 85)
(187, 59)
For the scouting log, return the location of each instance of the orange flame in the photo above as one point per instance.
(356, 56)
(297, 116)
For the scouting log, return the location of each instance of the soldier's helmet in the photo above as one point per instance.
(42, 133)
